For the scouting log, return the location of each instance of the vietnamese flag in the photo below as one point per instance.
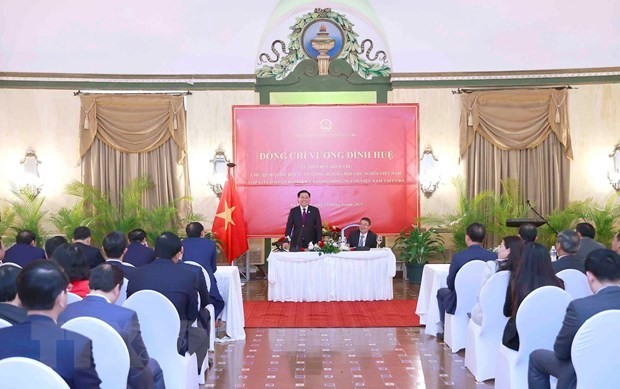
(229, 224)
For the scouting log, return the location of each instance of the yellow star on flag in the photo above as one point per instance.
(227, 215)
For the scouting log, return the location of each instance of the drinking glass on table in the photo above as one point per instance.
(379, 240)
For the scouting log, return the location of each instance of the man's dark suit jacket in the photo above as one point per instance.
(202, 251)
(139, 255)
(93, 255)
(585, 246)
(125, 322)
(127, 270)
(12, 314)
(568, 262)
(301, 235)
(180, 285)
(459, 259)
(22, 254)
(40, 338)
(354, 239)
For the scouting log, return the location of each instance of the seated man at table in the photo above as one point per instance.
(446, 297)
(363, 238)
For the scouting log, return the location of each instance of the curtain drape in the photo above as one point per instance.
(521, 134)
(124, 137)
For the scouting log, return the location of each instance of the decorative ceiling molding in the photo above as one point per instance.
(512, 75)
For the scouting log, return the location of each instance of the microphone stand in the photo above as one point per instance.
(540, 216)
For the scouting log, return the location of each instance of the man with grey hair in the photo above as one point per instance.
(567, 244)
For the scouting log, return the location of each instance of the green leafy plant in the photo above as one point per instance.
(417, 246)
(508, 204)
(604, 217)
(28, 214)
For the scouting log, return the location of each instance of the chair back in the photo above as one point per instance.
(72, 298)
(109, 350)
(466, 285)
(492, 298)
(10, 264)
(122, 296)
(19, 372)
(539, 319)
(204, 272)
(342, 232)
(4, 323)
(575, 283)
(597, 340)
(160, 325)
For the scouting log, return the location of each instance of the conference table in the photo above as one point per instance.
(434, 276)
(344, 276)
(229, 285)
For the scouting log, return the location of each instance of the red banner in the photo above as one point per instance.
(355, 160)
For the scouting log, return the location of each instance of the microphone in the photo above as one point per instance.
(540, 216)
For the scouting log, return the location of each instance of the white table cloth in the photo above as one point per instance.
(345, 276)
(229, 285)
(434, 276)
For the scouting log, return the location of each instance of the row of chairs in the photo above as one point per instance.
(539, 319)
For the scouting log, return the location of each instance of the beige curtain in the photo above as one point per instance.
(123, 137)
(521, 134)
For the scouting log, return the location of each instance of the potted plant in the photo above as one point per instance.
(416, 247)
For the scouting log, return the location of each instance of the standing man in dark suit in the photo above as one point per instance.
(138, 252)
(115, 247)
(304, 223)
(42, 290)
(105, 284)
(566, 246)
(10, 307)
(446, 297)
(363, 238)
(199, 249)
(180, 286)
(586, 232)
(24, 250)
(82, 238)
(603, 272)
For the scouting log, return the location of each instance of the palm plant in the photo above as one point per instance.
(509, 204)
(417, 246)
(28, 214)
(605, 218)
(559, 219)
(67, 220)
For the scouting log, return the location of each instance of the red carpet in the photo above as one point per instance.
(343, 314)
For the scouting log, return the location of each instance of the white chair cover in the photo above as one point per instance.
(483, 340)
(4, 323)
(575, 283)
(466, 285)
(160, 324)
(72, 298)
(19, 372)
(122, 296)
(109, 350)
(539, 319)
(212, 336)
(595, 351)
(10, 264)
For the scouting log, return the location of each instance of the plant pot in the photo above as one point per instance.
(414, 272)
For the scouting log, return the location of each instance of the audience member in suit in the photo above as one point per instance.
(528, 232)
(304, 223)
(603, 273)
(586, 232)
(199, 249)
(179, 285)
(82, 238)
(615, 243)
(10, 307)
(71, 258)
(138, 252)
(446, 297)
(106, 281)
(24, 250)
(115, 247)
(533, 272)
(2, 250)
(42, 290)
(53, 243)
(363, 238)
(566, 246)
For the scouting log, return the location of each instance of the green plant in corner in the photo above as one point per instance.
(28, 213)
(417, 246)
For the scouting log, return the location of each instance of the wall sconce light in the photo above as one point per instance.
(218, 177)
(30, 181)
(614, 175)
(430, 174)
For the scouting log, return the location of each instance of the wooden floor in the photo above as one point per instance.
(338, 357)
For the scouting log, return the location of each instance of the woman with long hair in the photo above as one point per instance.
(533, 271)
(508, 256)
(71, 258)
